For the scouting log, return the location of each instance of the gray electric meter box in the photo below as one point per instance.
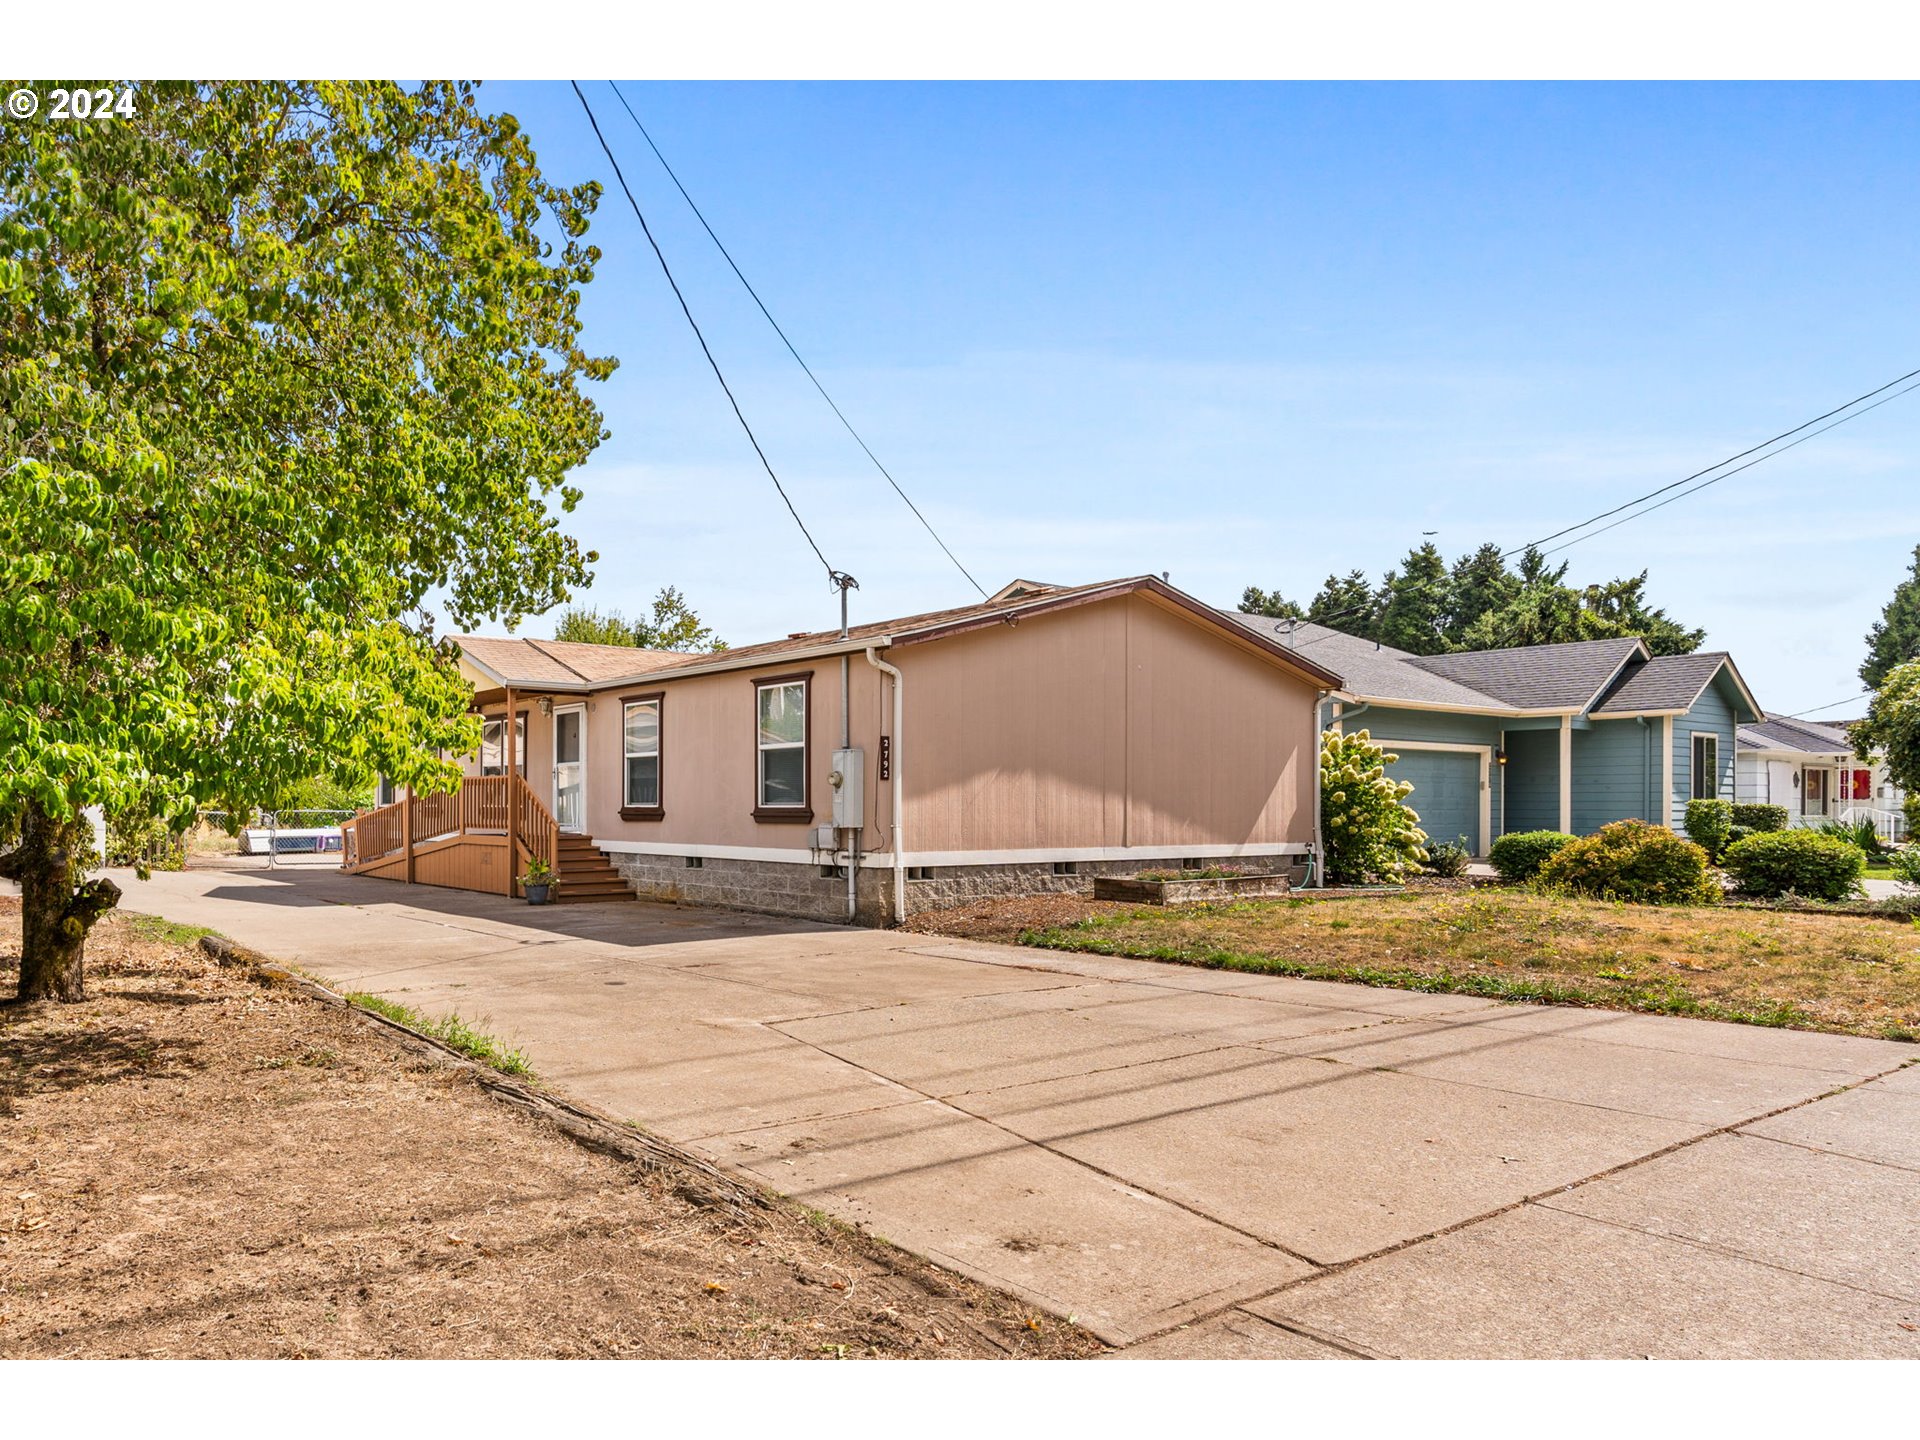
(848, 778)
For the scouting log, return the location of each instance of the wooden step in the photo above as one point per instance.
(586, 876)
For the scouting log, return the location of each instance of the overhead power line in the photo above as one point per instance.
(1832, 705)
(791, 350)
(1720, 465)
(832, 574)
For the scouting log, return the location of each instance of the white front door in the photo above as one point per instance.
(570, 766)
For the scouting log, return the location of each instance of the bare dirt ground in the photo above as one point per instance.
(197, 1163)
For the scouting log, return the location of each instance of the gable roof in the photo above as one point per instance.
(1537, 677)
(1799, 735)
(554, 665)
(1374, 672)
(1671, 683)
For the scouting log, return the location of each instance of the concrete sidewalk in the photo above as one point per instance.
(1194, 1162)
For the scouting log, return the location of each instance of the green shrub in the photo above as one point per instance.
(1633, 861)
(146, 842)
(1858, 833)
(1369, 833)
(1451, 859)
(1905, 864)
(1737, 833)
(1796, 862)
(1518, 857)
(1708, 822)
(1760, 818)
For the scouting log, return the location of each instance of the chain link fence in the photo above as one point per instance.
(270, 837)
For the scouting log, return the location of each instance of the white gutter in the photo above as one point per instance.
(899, 720)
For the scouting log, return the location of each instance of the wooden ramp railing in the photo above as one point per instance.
(478, 837)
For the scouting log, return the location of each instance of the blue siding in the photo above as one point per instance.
(1386, 726)
(1533, 780)
(1610, 774)
(1713, 712)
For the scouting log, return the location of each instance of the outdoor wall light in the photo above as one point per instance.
(1499, 757)
(546, 705)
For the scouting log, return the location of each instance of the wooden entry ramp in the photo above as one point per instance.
(479, 837)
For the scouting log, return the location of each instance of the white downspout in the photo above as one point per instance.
(899, 721)
(1319, 848)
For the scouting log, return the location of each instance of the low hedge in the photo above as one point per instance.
(1517, 858)
(1760, 819)
(1796, 862)
(1708, 822)
(1633, 861)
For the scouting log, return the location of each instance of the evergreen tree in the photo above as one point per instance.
(1479, 584)
(1347, 603)
(1895, 636)
(1255, 601)
(1413, 616)
(673, 625)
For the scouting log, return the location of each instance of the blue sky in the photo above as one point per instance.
(1257, 333)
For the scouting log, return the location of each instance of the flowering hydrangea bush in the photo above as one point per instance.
(1369, 831)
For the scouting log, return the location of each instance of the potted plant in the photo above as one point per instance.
(539, 882)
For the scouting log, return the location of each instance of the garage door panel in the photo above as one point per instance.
(1446, 791)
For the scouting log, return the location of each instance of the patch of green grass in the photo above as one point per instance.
(450, 1030)
(169, 932)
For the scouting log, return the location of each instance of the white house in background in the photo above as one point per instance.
(1812, 770)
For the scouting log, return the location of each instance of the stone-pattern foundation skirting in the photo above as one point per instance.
(781, 888)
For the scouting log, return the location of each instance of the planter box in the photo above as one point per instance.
(1189, 892)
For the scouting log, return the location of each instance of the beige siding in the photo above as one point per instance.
(1118, 723)
(1122, 723)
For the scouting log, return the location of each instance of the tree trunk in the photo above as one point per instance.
(58, 904)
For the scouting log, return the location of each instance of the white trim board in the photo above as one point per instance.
(882, 861)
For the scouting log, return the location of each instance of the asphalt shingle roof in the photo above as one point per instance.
(550, 662)
(1377, 671)
(1800, 735)
(1535, 677)
(1666, 682)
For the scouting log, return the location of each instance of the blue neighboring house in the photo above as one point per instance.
(1542, 737)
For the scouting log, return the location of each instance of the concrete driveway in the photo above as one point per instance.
(1194, 1162)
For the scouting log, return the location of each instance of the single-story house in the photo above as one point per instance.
(1021, 744)
(1813, 771)
(1540, 737)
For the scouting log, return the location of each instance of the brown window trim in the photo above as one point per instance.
(801, 814)
(645, 812)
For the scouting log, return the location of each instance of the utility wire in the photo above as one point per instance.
(832, 574)
(1694, 490)
(1628, 505)
(858, 440)
(1834, 705)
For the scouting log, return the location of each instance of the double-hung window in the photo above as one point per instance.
(1706, 766)
(780, 748)
(493, 746)
(640, 742)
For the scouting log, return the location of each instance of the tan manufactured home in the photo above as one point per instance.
(1024, 744)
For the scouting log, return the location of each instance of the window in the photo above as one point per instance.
(780, 748)
(493, 737)
(640, 745)
(1706, 766)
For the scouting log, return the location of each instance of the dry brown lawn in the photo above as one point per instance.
(197, 1163)
(1853, 974)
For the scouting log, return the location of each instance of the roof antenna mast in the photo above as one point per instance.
(842, 582)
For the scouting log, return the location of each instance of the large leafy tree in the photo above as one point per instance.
(1895, 636)
(671, 625)
(280, 362)
(1892, 727)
